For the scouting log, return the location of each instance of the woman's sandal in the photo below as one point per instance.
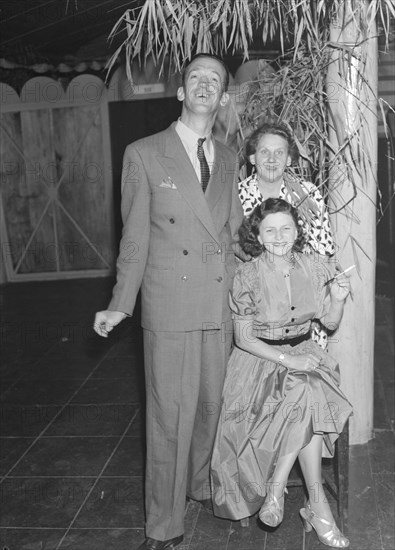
(272, 512)
(334, 537)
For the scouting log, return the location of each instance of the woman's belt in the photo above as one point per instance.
(287, 342)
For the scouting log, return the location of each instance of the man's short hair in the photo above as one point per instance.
(210, 56)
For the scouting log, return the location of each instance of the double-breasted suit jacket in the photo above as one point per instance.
(176, 242)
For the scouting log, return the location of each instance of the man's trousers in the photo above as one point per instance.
(184, 376)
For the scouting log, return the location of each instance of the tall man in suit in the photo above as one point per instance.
(181, 231)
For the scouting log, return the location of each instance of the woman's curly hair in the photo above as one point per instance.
(249, 229)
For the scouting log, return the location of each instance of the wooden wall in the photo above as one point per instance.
(56, 180)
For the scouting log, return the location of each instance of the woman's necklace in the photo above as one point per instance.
(286, 265)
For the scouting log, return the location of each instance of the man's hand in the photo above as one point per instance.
(106, 320)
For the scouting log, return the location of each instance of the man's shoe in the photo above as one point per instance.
(152, 544)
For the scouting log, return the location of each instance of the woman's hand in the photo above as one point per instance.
(340, 288)
(305, 362)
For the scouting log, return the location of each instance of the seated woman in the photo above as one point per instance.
(281, 398)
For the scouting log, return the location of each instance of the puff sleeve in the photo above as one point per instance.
(243, 296)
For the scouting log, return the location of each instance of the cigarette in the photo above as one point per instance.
(338, 275)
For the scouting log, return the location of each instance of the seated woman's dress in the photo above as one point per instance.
(267, 410)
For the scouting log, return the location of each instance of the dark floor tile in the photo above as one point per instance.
(384, 351)
(384, 308)
(128, 345)
(247, 538)
(22, 352)
(288, 535)
(126, 366)
(102, 539)
(30, 539)
(42, 502)
(66, 456)
(137, 428)
(192, 511)
(49, 369)
(362, 528)
(382, 417)
(382, 451)
(65, 354)
(210, 532)
(92, 420)
(128, 459)
(363, 543)
(114, 502)
(41, 392)
(108, 391)
(20, 420)
(389, 396)
(385, 492)
(7, 384)
(11, 450)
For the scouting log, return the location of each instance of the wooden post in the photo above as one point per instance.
(353, 117)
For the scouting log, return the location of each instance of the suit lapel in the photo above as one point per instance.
(217, 178)
(178, 166)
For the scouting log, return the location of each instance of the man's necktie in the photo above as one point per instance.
(204, 168)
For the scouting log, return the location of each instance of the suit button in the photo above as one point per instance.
(219, 279)
(185, 252)
(293, 319)
(286, 331)
(171, 220)
(184, 278)
(292, 307)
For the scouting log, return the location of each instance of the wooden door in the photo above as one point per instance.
(56, 196)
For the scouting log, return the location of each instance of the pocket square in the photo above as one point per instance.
(168, 183)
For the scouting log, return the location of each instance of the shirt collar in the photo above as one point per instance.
(252, 180)
(189, 137)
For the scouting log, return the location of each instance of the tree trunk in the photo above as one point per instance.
(353, 181)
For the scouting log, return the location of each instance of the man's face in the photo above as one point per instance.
(203, 89)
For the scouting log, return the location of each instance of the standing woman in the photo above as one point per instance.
(271, 149)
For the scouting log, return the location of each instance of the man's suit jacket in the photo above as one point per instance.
(176, 241)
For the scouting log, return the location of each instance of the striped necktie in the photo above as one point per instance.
(204, 168)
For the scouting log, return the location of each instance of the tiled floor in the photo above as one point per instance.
(72, 448)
